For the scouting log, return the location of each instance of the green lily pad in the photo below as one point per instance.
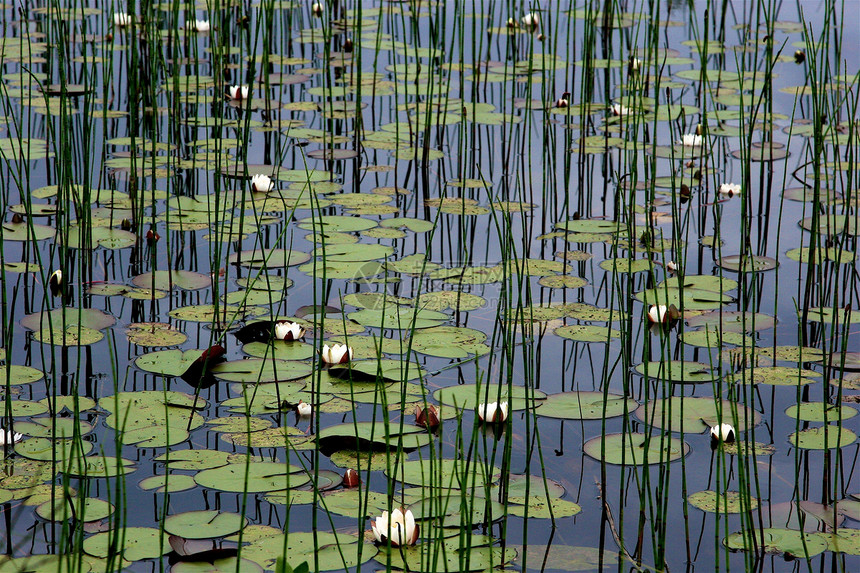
(587, 333)
(468, 396)
(631, 449)
(337, 223)
(823, 438)
(373, 435)
(695, 415)
(398, 318)
(88, 509)
(748, 263)
(46, 449)
(68, 318)
(19, 374)
(829, 315)
(585, 406)
(205, 524)
(727, 502)
(732, 321)
(449, 300)
(537, 506)
(844, 540)
(450, 342)
(388, 369)
(168, 362)
(446, 473)
(688, 299)
(782, 541)
(154, 334)
(135, 543)
(678, 371)
(170, 483)
(820, 412)
(570, 558)
(168, 280)
(328, 551)
(194, 459)
(260, 370)
(256, 477)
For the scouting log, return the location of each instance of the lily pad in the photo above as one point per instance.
(679, 372)
(468, 396)
(585, 406)
(635, 449)
(255, 477)
(695, 415)
(726, 502)
(782, 541)
(823, 438)
(205, 524)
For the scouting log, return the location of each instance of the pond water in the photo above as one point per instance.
(628, 227)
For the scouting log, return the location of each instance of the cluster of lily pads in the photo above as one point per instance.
(327, 280)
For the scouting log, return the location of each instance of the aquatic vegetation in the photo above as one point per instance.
(501, 272)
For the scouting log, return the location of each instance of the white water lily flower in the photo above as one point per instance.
(337, 354)
(262, 183)
(238, 92)
(512, 23)
(400, 528)
(621, 110)
(723, 433)
(658, 313)
(317, 9)
(198, 25)
(493, 412)
(531, 21)
(288, 330)
(730, 189)
(9, 437)
(121, 19)
(691, 140)
(634, 64)
(304, 409)
(671, 267)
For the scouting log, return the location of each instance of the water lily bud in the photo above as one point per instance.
(493, 412)
(691, 140)
(512, 23)
(658, 313)
(563, 101)
(9, 437)
(723, 433)
(17, 218)
(152, 237)
(121, 19)
(686, 193)
(56, 282)
(699, 129)
(348, 45)
(428, 416)
(285, 330)
(541, 37)
(317, 9)
(799, 57)
(198, 25)
(351, 478)
(531, 21)
(125, 224)
(634, 64)
(730, 189)
(400, 528)
(304, 409)
(262, 183)
(337, 354)
(238, 92)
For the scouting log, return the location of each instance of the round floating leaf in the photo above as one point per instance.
(389, 369)
(19, 374)
(587, 333)
(783, 541)
(68, 318)
(727, 502)
(328, 551)
(589, 226)
(136, 543)
(89, 509)
(471, 555)
(678, 371)
(844, 540)
(70, 336)
(53, 427)
(350, 503)
(170, 483)
(46, 449)
(570, 558)
(589, 313)
(562, 281)
(268, 258)
(154, 334)
(829, 315)
(585, 406)
(747, 448)
(450, 299)
(468, 396)
(194, 459)
(538, 506)
(260, 477)
(747, 264)
(260, 370)
(205, 524)
(446, 473)
(688, 299)
(820, 412)
(168, 362)
(450, 342)
(635, 449)
(833, 225)
(280, 350)
(732, 321)
(168, 280)
(372, 435)
(823, 438)
(695, 415)
(338, 223)
(398, 318)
